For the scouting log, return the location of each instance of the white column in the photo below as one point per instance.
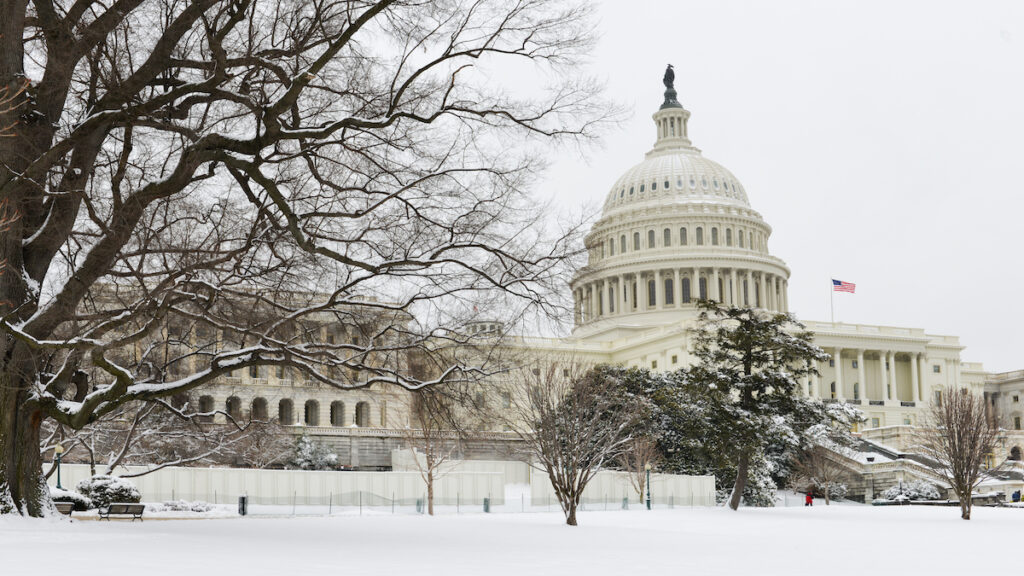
(713, 289)
(695, 285)
(770, 299)
(915, 378)
(659, 291)
(882, 375)
(862, 381)
(641, 292)
(762, 302)
(785, 295)
(895, 394)
(677, 288)
(736, 297)
(838, 361)
(602, 300)
(622, 298)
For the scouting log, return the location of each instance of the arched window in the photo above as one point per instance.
(686, 290)
(636, 240)
(714, 236)
(703, 288)
(652, 297)
(700, 236)
(667, 237)
(750, 237)
(611, 299)
(1015, 453)
(206, 403)
(832, 388)
(670, 295)
(650, 238)
(622, 244)
(739, 236)
(363, 414)
(311, 415)
(654, 186)
(233, 407)
(337, 413)
(856, 390)
(286, 412)
(611, 246)
(682, 236)
(259, 409)
(728, 236)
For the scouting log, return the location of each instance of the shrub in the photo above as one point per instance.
(183, 506)
(82, 503)
(913, 490)
(103, 490)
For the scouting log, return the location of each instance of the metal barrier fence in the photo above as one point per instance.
(457, 491)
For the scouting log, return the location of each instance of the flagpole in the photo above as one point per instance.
(832, 299)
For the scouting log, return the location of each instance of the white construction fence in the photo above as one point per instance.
(462, 487)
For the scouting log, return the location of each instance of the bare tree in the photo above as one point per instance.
(436, 427)
(156, 436)
(815, 469)
(320, 163)
(572, 426)
(266, 445)
(960, 434)
(639, 454)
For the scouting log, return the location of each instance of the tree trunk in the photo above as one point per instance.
(570, 518)
(430, 492)
(741, 480)
(828, 488)
(965, 508)
(23, 487)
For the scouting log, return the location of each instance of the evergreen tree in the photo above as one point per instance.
(744, 385)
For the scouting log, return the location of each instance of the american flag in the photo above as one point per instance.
(840, 286)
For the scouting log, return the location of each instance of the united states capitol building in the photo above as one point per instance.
(675, 228)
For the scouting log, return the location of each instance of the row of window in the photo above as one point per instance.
(730, 188)
(724, 290)
(286, 411)
(741, 238)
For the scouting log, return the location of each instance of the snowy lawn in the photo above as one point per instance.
(820, 540)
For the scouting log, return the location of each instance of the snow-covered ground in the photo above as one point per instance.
(791, 541)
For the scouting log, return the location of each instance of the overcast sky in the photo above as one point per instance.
(880, 140)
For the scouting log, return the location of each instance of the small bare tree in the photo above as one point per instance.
(815, 469)
(434, 427)
(960, 434)
(572, 426)
(639, 453)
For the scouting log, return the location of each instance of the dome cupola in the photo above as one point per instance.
(675, 228)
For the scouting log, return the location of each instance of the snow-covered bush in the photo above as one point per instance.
(312, 455)
(82, 503)
(183, 506)
(913, 490)
(837, 491)
(103, 490)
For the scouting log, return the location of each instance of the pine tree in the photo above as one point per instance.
(748, 365)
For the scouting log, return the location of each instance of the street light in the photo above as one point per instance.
(647, 467)
(58, 450)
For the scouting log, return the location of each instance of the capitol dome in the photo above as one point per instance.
(675, 228)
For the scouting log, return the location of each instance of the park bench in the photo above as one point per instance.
(64, 508)
(120, 509)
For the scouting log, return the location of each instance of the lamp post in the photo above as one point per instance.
(647, 467)
(58, 450)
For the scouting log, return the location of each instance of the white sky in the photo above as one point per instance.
(880, 140)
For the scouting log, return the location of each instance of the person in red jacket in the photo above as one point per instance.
(809, 499)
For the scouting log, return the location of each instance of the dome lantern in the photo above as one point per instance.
(671, 118)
